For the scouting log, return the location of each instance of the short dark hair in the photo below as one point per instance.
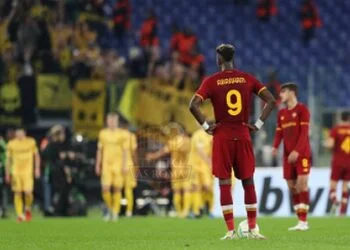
(291, 86)
(227, 51)
(345, 116)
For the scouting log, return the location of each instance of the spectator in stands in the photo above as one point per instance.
(121, 17)
(187, 44)
(175, 39)
(137, 64)
(28, 35)
(310, 20)
(4, 24)
(83, 36)
(148, 32)
(266, 9)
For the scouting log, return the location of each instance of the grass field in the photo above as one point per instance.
(167, 233)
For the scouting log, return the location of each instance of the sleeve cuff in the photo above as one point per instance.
(262, 89)
(200, 96)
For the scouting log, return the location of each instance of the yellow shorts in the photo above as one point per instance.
(22, 183)
(111, 179)
(129, 180)
(205, 178)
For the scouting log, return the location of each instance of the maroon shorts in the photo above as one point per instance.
(340, 172)
(233, 154)
(301, 167)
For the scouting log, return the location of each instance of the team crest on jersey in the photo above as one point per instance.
(294, 114)
(282, 118)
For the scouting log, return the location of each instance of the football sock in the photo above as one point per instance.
(250, 204)
(177, 202)
(227, 205)
(28, 201)
(129, 196)
(196, 202)
(344, 203)
(117, 196)
(107, 198)
(296, 204)
(304, 205)
(187, 196)
(18, 204)
(333, 196)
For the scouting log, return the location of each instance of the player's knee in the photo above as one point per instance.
(302, 186)
(225, 181)
(345, 187)
(249, 181)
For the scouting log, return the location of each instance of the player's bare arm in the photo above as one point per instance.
(270, 101)
(37, 165)
(158, 154)
(98, 161)
(194, 107)
(8, 169)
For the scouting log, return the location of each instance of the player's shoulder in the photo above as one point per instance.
(31, 140)
(302, 106)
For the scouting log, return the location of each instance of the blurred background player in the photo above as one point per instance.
(2, 177)
(129, 180)
(22, 155)
(230, 92)
(200, 160)
(293, 129)
(339, 142)
(111, 159)
(178, 146)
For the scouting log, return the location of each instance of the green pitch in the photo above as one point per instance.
(167, 233)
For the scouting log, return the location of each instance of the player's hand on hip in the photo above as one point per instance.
(251, 127)
(293, 157)
(211, 128)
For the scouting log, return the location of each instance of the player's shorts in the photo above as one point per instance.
(111, 179)
(22, 183)
(205, 178)
(129, 180)
(301, 167)
(233, 154)
(340, 171)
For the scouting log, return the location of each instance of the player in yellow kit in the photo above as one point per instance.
(130, 177)
(178, 146)
(200, 160)
(111, 164)
(22, 155)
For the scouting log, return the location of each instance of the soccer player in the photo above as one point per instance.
(230, 92)
(22, 155)
(200, 161)
(339, 141)
(293, 129)
(178, 147)
(130, 177)
(111, 159)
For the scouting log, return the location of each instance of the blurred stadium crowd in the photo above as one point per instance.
(69, 62)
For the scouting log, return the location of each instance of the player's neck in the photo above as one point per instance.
(226, 66)
(292, 103)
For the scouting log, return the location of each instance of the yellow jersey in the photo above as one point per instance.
(179, 147)
(112, 143)
(200, 140)
(21, 153)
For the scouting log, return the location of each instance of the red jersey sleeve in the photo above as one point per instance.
(278, 134)
(304, 126)
(258, 87)
(204, 90)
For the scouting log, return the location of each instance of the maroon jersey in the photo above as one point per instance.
(341, 150)
(230, 92)
(293, 129)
